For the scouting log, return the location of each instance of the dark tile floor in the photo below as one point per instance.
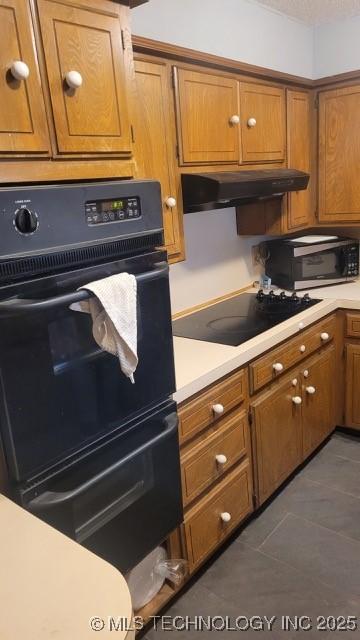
(299, 557)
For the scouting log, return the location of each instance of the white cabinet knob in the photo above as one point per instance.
(324, 336)
(306, 373)
(297, 400)
(251, 122)
(73, 79)
(278, 367)
(302, 348)
(225, 516)
(170, 202)
(234, 119)
(301, 325)
(218, 409)
(221, 459)
(310, 390)
(294, 382)
(19, 70)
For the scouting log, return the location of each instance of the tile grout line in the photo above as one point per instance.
(316, 524)
(328, 486)
(275, 529)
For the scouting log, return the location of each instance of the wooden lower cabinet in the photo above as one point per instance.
(318, 399)
(352, 377)
(214, 455)
(214, 517)
(277, 435)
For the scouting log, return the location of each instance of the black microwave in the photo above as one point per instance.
(311, 261)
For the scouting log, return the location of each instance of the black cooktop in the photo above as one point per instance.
(240, 318)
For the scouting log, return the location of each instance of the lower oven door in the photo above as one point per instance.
(123, 500)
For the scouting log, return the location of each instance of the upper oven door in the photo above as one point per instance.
(59, 392)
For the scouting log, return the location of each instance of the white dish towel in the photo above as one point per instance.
(113, 312)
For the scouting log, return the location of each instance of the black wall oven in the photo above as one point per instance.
(88, 451)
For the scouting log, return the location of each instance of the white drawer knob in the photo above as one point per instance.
(19, 70)
(251, 122)
(218, 409)
(73, 79)
(310, 390)
(306, 373)
(221, 459)
(297, 400)
(324, 336)
(278, 367)
(234, 119)
(225, 516)
(301, 325)
(294, 382)
(302, 348)
(170, 202)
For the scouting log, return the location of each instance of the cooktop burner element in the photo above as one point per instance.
(238, 319)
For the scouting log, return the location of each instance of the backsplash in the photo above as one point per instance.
(218, 261)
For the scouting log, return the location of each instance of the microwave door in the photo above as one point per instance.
(320, 268)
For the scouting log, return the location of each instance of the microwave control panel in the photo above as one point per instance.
(106, 211)
(352, 260)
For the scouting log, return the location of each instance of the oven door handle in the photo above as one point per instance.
(51, 499)
(16, 305)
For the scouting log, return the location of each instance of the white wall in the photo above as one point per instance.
(218, 261)
(235, 29)
(337, 47)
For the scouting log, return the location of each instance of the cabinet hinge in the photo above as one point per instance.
(132, 133)
(123, 39)
(250, 417)
(254, 500)
(316, 102)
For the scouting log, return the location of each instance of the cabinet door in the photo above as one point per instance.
(263, 122)
(277, 435)
(154, 143)
(339, 155)
(22, 113)
(205, 105)
(352, 377)
(318, 399)
(299, 213)
(93, 117)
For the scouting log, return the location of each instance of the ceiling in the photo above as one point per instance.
(315, 12)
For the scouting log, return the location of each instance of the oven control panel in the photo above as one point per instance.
(106, 211)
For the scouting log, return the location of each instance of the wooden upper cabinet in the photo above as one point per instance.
(23, 126)
(299, 111)
(86, 37)
(154, 143)
(206, 102)
(263, 122)
(339, 155)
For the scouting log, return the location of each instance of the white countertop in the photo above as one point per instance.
(199, 364)
(51, 586)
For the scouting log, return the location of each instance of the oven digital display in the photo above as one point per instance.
(107, 211)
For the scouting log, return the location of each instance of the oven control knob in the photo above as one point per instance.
(306, 298)
(260, 294)
(282, 295)
(295, 297)
(26, 221)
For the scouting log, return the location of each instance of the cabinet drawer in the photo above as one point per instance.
(287, 355)
(200, 467)
(353, 325)
(200, 413)
(204, 527)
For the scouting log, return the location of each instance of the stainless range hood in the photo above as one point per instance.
(206, 191)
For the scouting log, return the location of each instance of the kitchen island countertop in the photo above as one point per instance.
(51, 587)
(199, 364)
